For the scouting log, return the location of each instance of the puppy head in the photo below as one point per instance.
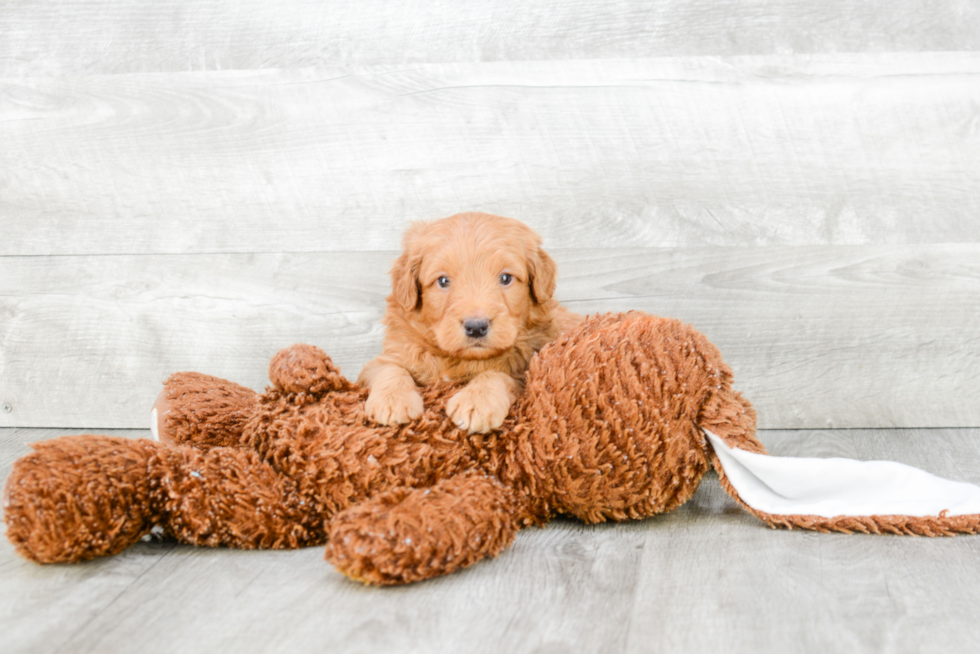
(472, 280)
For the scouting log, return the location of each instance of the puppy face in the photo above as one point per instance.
(472, 282)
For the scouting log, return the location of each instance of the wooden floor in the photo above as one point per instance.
(705, 578)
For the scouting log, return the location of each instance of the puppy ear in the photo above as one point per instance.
(405, 287)
(543, 271)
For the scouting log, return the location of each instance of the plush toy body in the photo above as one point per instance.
(611, 426)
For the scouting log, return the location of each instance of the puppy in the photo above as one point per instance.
(471, 300)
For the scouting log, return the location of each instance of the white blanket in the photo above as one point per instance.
(841, 487)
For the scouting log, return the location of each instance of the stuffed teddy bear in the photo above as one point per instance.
(620, 419)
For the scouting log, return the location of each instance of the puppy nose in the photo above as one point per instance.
(476, 327)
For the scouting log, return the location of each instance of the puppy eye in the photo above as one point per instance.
(506, 279)
(443, 282)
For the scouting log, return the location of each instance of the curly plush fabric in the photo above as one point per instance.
(610, 427)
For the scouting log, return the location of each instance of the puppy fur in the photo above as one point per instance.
(471, 301)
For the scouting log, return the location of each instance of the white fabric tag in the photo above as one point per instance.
(153, 424)
(841, 487)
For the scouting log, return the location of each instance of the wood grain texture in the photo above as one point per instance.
(705, 578)
(823, 149)
(195, 185)
(171, 35)
(780, 591)
(89, 340)
(819, 336)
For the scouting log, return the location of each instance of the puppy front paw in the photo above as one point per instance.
(478, 411)
(394, 406)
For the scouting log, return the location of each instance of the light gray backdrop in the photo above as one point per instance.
(195, 185)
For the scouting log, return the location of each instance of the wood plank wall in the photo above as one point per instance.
(194, 185)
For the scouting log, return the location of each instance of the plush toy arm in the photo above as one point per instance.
(304, 368)
(407, 535)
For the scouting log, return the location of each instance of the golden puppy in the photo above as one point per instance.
(471, 300)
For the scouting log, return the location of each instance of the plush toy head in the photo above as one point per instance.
(612, 425)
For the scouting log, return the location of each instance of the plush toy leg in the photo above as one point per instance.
(200, 410)
(407, 535)
(845, 495)
(79, 497)
(231, 497)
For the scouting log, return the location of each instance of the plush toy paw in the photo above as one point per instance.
(411, 534)
(394, 406)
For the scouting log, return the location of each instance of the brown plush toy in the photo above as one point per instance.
(612, 426)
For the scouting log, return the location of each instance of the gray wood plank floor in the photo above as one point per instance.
(705, 578)
(833, 149)
(818, 336)
(173, 35)
(193, 186)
